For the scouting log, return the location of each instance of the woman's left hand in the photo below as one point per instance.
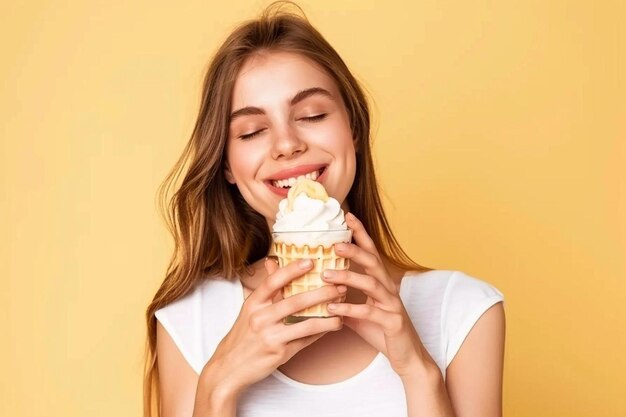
(382, 321)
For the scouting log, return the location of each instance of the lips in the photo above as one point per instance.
(296, 171)
(292, 173)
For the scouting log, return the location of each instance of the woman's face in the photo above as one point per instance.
(287, 120)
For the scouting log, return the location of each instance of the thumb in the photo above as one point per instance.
(368, 331)
(271, 265)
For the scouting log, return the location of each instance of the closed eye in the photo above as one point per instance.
(250, 135)
(315, 118)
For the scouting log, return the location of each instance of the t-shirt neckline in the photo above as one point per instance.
(323, 387)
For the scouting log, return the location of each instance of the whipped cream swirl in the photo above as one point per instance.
(309, 214)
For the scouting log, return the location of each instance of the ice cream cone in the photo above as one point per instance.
(308, 225)
(323, 258)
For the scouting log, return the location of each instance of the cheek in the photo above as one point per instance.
(338, 141)
(336, 138)
(243, 161)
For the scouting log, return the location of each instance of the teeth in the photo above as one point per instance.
(290, 182)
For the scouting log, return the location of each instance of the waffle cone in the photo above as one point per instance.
(323, 258)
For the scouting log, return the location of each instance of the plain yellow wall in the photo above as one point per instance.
(500, 141)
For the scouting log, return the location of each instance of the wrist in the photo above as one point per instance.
(426, 392)
(216, 386)
(213, 400)
(423, 374)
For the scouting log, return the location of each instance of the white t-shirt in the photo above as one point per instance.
(443, 306)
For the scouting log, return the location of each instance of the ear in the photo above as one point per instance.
(228, 174)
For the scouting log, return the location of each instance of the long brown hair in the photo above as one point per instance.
(216, 233)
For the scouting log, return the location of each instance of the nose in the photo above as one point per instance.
(287, 144)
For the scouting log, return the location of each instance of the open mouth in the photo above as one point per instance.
(290, 182)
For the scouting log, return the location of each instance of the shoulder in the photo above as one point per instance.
(451, 287)
(448, 295)
(465, 300)
(197, 321)
(448, 304)
(473, 332)
(213, 290)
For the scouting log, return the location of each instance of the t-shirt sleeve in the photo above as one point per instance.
(198, 321)
(465, 300)
(180, 320)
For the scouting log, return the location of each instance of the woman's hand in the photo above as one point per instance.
(259, 342)
(382, 321)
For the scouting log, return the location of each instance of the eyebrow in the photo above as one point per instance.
(301, 95)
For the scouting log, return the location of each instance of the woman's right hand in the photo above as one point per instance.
(259, 342)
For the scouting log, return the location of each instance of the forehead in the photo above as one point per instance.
(272, 78)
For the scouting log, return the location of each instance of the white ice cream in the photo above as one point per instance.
(309, 214)
(312, 222)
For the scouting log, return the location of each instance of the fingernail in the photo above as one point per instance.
(305, 263)
(350, 217)
(342, 288)
(328, 273)
(331, 306)
(340, 247)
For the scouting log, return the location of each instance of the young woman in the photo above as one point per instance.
(278, 102)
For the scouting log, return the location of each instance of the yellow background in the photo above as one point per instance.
(500, 141)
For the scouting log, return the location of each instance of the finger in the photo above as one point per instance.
(311, 327)
(370, 332)
(370, 263)
(366, 283)
(298, 302)
(390, 322)
(297, 345)
(271, 265)
(278, 278)
(360, 235)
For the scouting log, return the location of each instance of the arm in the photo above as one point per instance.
(177, 380)
(473, 387)
(183, 392)
(474, 378)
